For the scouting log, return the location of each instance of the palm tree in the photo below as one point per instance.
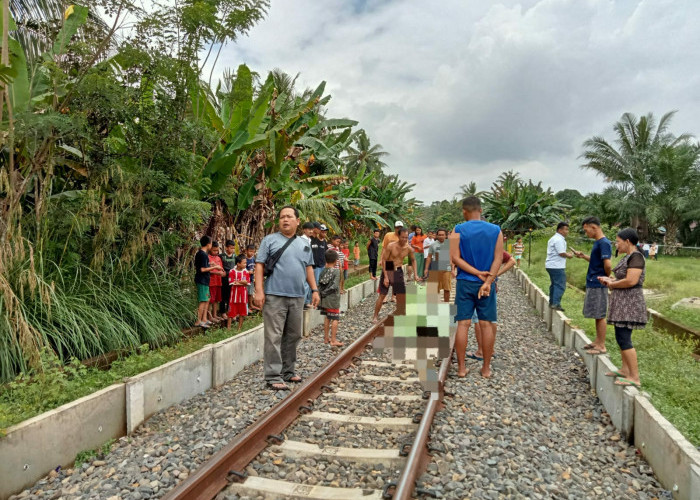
(629, 164)
(677, 190)
(364, 154)
(468, 190)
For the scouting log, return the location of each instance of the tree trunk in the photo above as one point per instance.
(671, 244)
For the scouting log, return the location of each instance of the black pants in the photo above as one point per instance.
(225, 295)
(373, 267)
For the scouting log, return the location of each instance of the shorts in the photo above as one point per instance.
(251, 290)
(356, 262)
(237, 309)
(595, 305)
(517, 257)
(215, 293)
(444, 280)
(202, 293)
(467, 302)
(331, 314)
(397, 283)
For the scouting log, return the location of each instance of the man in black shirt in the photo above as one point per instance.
(201, 279)
(373, 253)
(319, 245)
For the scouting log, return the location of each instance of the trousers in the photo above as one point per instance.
(557, 285)
(283, 318)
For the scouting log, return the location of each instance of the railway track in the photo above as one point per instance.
(361, 416)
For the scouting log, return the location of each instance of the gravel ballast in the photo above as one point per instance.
(535, 429)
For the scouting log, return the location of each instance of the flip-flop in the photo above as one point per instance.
(614, 373)
(590, 346)
(295, 379)
(280, 386)
(595, 352)
(624, 382)
(474, 356)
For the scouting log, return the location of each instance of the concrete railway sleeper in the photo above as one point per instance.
(361, 416)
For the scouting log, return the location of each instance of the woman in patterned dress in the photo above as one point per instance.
(628, 310)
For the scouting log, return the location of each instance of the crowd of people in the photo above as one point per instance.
(289, 274)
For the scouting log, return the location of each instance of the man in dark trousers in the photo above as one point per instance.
(283, 297)
(373, 253)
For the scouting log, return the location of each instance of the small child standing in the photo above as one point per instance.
(329, 289)
(215, 282)
(345, 248)
(518, 249)
(250, 266)
(356, 254)
(201, 278)
(239, 279)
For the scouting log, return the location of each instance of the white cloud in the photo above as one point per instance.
(458, 91)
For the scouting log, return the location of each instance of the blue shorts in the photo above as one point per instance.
(467, 302)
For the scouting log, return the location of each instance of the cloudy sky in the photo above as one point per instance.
(462, 90)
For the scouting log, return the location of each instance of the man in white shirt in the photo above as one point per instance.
(429, 240)
(556, 265)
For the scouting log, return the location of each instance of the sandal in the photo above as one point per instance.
(614, 373)
(595, 351)
(294, 378)
(624, 382)
(589, 346)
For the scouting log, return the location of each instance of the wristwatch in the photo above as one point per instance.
(312, 291)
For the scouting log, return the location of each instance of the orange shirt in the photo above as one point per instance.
(356, 252)
(417, 242)
(389, 238)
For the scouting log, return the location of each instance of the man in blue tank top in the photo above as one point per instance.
(476, 248)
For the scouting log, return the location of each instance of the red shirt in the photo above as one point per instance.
(239, 293)
(346, 253)
(506, 257)
(215, 279)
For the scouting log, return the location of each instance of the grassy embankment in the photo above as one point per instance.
(668, 370)
(26, 397)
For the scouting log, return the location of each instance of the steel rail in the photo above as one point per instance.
(419, 456)
(213, 476)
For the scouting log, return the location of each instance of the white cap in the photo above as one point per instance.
(398, 223)
(323, 227)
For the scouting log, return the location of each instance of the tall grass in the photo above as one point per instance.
(84, 314)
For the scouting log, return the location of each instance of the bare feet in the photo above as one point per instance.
(337, 344)
(326, 341)
(486, 373)
(375, 319)
(462, 372)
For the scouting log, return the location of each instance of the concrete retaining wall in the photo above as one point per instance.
(676, 463)
(230, 356)
(54, 438)
(673, 458)
(169, 384)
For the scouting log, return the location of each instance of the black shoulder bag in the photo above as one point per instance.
(271, 261)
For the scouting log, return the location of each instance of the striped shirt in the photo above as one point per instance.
(239, 293)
